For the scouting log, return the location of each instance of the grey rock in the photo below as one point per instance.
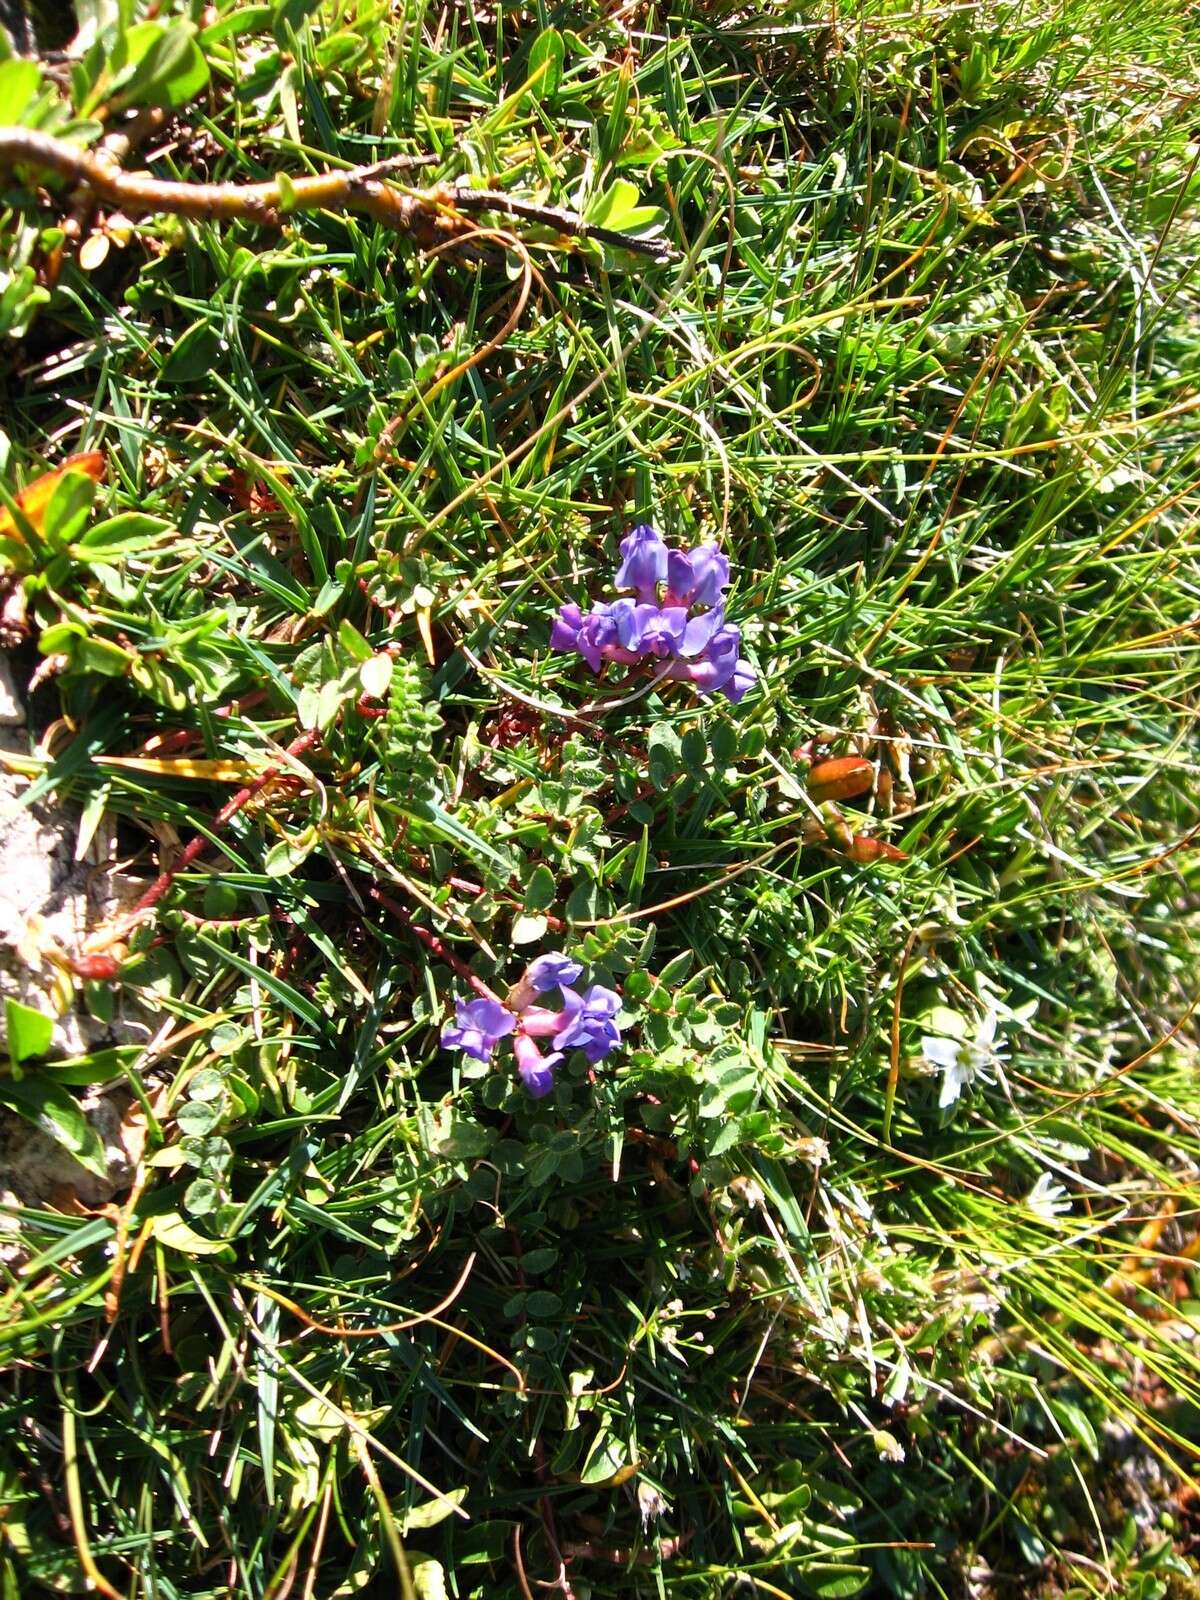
(51, 902)
(36, 1171)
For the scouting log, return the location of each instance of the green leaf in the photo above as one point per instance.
(835, 1582)
(19, 83)
(208, 1084)
(129, 49)
(428, 1577)
(101, 656)
(545, 64)
(535, 1261)
(162, 65)
(29, 1031)
(289, 17)
(21, 297)
(207, 1153)
(68, 509)
(1076, 1424)
(728, 1135)
(96, 1067)
(193, 355)
(86, 652)
(638, 985)
(1029, 1542)
(677, 969)
(541, 889)
(249, 19)
(246, 1099)
(941, 1020)
(665, 754)
(375, 675)
(287, 189)
(754, 742)
(694, 749)
(118, 536)
(432, 1512)
(528, 930)
(171, 1230)
(581, 903)
(483, 1542)
(331, 697)
(55, 1112)
(320, 1419)
(353, 643)
(619, 207)
(542, 1303)
(606, 1457)
(185, 79)
(201, 1197)
(460, 1138)
(290, 852)
(197, 1117)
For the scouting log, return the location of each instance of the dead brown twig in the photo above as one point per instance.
(430, 215)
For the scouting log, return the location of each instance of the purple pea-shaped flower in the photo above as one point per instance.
(478, 1027)
(645, 562)
(585, 1022)
(698, 647)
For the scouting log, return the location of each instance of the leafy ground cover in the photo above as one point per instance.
(866, 1263)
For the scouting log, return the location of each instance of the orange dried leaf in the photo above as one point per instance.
(864, 849)
(35, 497)
(840, 779)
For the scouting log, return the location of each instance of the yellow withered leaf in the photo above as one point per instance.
(35, 497)
(214, 771)
(425, 628)
(93, 252)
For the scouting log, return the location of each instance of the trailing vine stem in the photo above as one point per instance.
(430, 215)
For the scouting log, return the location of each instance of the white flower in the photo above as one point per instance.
(811, 1149)
(1047, 1199)
(651, 1503)
(961, 1061)
(887, 1446)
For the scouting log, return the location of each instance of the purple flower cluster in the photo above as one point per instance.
(702, 648)
(584, 1022)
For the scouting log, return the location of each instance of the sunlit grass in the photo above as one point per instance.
(752, 1305)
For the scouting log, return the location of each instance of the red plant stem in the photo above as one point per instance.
(181, 738)
(243, 703)
(466, 886)
(432, 942)
(229, 810)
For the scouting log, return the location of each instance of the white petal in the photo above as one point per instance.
(952, 1086)
(942, 1053)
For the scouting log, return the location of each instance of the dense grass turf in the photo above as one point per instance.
(757, 1305)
